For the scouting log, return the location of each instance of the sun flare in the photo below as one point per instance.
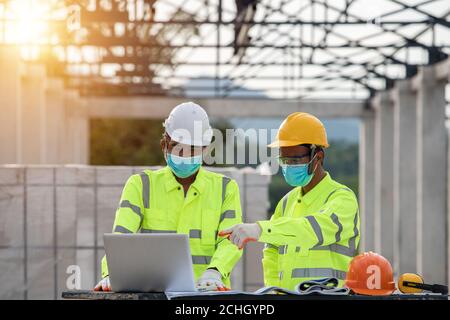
(26, 22)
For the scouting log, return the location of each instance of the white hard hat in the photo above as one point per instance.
(188, 124)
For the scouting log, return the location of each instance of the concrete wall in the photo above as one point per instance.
(159, 107)
(11, 107)
(52, 217)
(408, 222)
(42, 122)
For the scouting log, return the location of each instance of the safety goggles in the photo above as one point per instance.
(185, 151)
(293, 160)
(179, 149)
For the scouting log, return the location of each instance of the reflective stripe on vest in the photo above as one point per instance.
(270, 246)
(317, 230)
(135, 209)
(332, 192)
(201, 259)
(282, 249)
(145, 189)
(195, 234)
(157, 231)
(285, 200)
(121, 229)
(349, 251)
(225, 181)
(229, 214)
(336, 221)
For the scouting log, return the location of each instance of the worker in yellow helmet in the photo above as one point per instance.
(314, 232)
(184, 198)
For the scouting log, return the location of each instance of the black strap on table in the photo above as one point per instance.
(435, 288)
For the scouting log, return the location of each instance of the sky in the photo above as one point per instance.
(367, 10)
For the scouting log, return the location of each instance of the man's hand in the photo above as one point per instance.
(242, 233)
(211, 280)
(103, 285)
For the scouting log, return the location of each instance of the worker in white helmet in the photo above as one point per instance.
(184, 198)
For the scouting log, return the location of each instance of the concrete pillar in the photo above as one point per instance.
(55, 120)
(10, 104)
(255, 205)
(34, 119)
(84, 133)
(76, 129)
(366, 180)
(448, 199)
(70, 97)
(384, 182)
(431, 173)
(405, 177)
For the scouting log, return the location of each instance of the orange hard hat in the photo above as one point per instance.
(300, 128)
(370, 274)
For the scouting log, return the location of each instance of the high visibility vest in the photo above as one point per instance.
(311, 236)
(154, 202)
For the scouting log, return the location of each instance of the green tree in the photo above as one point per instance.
(131, 142)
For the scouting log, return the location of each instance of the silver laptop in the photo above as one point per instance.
(149, 262)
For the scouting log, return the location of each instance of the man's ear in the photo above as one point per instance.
(162, 143)
(321, 156)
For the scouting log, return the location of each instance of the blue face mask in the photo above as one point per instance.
(183, 167)
(296, 175)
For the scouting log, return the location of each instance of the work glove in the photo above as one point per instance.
(211, 280)
(103, 285)
(242, 233)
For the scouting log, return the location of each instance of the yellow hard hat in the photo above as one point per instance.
(300, 128)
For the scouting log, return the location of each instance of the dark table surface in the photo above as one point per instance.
(92, 295)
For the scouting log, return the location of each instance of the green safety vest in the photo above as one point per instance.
(154, 202)
(311, 236)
